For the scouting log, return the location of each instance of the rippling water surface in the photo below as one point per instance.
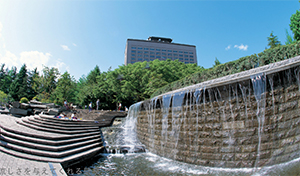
(151, 164)
(123, 133)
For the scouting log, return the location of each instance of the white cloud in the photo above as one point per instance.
(65, 47)
(228, 47)
(35, 59)
(74, 44)
(241, 47)
(1, 27)
(32, 59)
(10, 60)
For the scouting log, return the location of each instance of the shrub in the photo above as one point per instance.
(24, 100)
(266, 57)
(35, 98)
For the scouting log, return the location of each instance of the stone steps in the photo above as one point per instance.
(57, 137)
(50, 140)
(99, 123)
(65, 161)
(51, 154)
(32, 121)
(47, 146)
(26, 123)
(54, 122)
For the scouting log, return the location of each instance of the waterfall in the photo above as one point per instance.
(259, 88)
(166, 102)
(177, 117)
(130, 136)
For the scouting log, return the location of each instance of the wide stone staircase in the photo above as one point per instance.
(49, 139)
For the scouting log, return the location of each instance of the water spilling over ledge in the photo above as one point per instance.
(249, 119)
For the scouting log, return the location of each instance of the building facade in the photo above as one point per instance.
(158, 48)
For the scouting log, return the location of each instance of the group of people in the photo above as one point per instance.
(91, 105)
(97, 106)
(64, 116)
(68, 105)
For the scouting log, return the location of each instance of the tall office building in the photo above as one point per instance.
(158, 48)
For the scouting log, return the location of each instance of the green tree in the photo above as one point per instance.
(46, 84)
(289, 38)
(65, 89)
(19, 87)
(273, 41)
(7, 77)
(295, 25)
(33, 84)
(217, 62)
(92, 76)
(3, 98)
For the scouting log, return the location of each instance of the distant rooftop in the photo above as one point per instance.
(160, 39)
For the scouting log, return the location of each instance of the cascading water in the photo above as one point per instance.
(243, 127)
(259, 87)
(177, 118)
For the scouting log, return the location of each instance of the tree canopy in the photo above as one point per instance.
(295, 25)
(273, 41)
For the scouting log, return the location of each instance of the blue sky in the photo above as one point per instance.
(77, 35)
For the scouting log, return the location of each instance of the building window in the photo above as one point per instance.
(181, 58)
(180, 55)
(139, 55)
(186, 62)
(174, 51)
(152, 56)
(146, 52)
(191, 56)
(163, 50)
(133, 47)
(191, 59)
(140, 59)
(152, 52)
(185, 52)
(157, 53)
(163, 57)
(152, 49)
(169, 54)
(132, 58)
(175, 58)
(146, 56)
(132, 62)
(133, 51)
(146, 48)
(191, 53)
(186, 59)
(186, 56)
(140, 48)
(146, 59)
(157, 49)
(140, 52)
(180, 52)
(175, 54)
(157, 56)
(152, 59)
(169, 50)
(132, 54)
(163, 54)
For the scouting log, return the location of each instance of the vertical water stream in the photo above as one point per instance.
(259, 88)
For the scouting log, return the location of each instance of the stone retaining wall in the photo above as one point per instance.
(248, 121)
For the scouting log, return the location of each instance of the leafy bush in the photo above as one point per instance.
(35, 98)
(3, 98)
(266, 57)
(24, 100)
